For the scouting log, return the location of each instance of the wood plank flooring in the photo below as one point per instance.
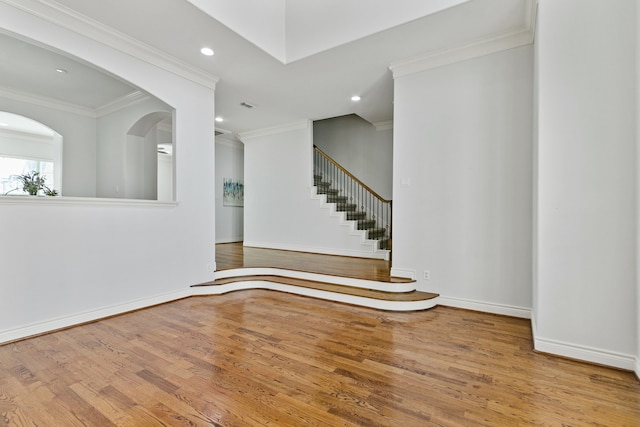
(329, 287)
(234, 255)
(257, 358)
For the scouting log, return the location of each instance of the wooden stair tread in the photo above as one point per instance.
(380, 278)
(329, 287)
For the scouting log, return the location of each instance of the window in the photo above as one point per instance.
(12, 168)
(28, 146)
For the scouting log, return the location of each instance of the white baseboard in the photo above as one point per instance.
(487, 307)
(407, 273)
(316, 250)
(235, 239)
(89, 316)
(585, 353)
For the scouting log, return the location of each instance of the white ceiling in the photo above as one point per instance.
(308, 57)
(31, 69)
(290, 30)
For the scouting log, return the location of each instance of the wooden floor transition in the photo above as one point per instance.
(258, 358)
(234, 256)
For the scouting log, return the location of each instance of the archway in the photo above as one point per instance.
(149, 158)
(26, 146)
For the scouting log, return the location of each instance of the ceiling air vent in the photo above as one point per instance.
(247, 105)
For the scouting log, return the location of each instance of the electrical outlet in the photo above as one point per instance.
(427, 275)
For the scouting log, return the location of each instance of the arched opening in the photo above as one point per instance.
(27, 146)
(149, 158)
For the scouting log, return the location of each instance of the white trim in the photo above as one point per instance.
(83, 201)
(46, 102)
(487, 307)
(378, 254)
(448, 56)
(89, 316)
(393, 287)
(113, 310)
(237, 145)
(235, 239)
(383, 125)
(26, 136)
(71, 20)
(585, 353)
(122, 102)
(273, 130)
(408, 273)
(316, 293)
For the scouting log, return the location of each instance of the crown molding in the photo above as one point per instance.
(486, 46)
(301, 125)
(383, 125)
(229, 143)
(120, 103)
(67, 107)
(71, 20)
(441, 58)
(46, 102)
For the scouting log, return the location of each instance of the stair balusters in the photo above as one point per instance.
(361, 204)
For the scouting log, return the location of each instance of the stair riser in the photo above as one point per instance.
(341, 207)
(366, 224)
(353, 216)
(337, 199)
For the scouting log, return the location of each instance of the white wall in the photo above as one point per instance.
(114, 152)
(361, 149)
(78, 145)
(99, 257)
(586, 213)
(279, 210)
(229, 164)
(462, 181)
(637, 362)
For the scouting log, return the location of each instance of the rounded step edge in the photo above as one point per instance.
(379, 304)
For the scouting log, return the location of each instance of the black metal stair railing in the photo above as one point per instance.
(371, 211)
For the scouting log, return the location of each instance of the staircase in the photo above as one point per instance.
(370, 212)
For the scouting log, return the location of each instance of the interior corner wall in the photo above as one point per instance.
(356, 145)
(229, 164)
(463, 178)
(637, 361)
(586, 179)
(112, 145)
(100, 258)
(279, 210)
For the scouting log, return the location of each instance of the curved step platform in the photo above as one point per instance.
(392, 295)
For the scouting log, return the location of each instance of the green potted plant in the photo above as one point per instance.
(33, 183)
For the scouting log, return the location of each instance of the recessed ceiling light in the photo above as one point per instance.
(206, 51)
(219, 119)
(3, 124)
(61, 70)
(355, 98)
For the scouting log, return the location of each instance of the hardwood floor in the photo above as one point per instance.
(234, 255)
(256, 358)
